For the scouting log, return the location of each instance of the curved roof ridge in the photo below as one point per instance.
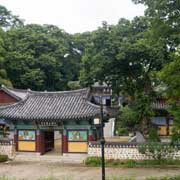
(45, 92)
(18, 90)
(58, 92)
(92, 104)
(5, 89)
(14, 92)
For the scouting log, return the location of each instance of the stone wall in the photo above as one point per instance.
(123, 151)
(7, 148)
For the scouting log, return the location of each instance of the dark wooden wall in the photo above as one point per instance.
(6, 98)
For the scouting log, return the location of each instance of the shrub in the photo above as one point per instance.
(3, 158)
(96, 161)
(153, 178)
(165, 178)
(153, 135)
(131, 163)
(93, 161)
(157, 151)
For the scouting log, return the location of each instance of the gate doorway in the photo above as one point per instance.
(52, 142)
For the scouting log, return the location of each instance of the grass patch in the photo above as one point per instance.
(3, 158)
(163, 178)
(96, 161)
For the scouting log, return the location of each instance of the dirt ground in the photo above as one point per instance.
(35, 170)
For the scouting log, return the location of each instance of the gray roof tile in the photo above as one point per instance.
(52, 106)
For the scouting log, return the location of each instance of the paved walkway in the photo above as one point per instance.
(34, 170)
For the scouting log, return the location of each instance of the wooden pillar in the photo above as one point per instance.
(16, 139)
(42, 142)
(64, 142)
(90, 137)
(38, 142)
(167, 122)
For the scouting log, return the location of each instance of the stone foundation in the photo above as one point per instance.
(122, 151)
(7, 148)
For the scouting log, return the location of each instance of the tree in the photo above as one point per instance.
(170, 77)
(46, 48)
(124, 57)
(164, 16)
(128, 118)
(8, 20)
(33, 78)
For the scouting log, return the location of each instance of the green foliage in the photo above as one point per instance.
(125, 57)
(128, 118)
(119, 178)
(7, 19)
(7, 178)
(170, 74)
(164, 18)
(136, 115)
(170, 77)
(121, 129)
(96, 161)
(157, 151)
(74, 85)
(93, 161)
(3, 158)
(165, 178)
(40, 57)
(153, 135)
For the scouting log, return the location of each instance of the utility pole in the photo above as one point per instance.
(102, 142)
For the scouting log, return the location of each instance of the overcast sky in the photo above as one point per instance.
(73, 15)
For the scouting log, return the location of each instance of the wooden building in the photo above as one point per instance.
(35, 116)
(162, 119)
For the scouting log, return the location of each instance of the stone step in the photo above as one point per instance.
(67, 158)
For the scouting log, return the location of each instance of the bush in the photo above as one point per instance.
(153, 178)
(6, 178)
(96, 161)
(157, 151)
(165, 178)
(3, 158)
(153, 135)
(93, 161)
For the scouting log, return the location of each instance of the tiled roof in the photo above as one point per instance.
(16, 93)
(52, 106)
(2, 121)
(160, 105)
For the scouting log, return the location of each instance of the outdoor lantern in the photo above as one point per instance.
(97, 121)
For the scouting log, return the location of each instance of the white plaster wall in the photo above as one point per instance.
(8, 150)
(109, 128)
(122, 153)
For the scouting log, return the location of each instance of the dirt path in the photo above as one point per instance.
(35, 170)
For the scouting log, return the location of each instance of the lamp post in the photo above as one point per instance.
(102, 142)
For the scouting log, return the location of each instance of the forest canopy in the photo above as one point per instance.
(138, 58)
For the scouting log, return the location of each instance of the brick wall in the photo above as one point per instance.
(118, 150)
(7, 148)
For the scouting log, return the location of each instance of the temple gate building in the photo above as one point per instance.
(33, 118)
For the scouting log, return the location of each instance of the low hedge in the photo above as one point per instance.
(3, 158)
(96, 161)
(152, 178)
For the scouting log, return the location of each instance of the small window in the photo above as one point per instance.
(108, 102)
